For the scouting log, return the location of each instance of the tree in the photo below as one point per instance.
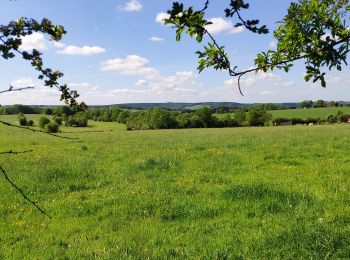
(240, 116)
(257, 117)
(320, 103)
(10, 42)
(315, 31)
(306, 104)
(205, 114)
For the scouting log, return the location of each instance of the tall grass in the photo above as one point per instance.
(197, 193)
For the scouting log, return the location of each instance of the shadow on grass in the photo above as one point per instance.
(269, 199)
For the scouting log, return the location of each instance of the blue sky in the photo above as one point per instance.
(118, 51)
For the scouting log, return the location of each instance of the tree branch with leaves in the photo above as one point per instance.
(10, 41)
(315, 31)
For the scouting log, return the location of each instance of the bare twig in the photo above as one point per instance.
(37, 130)
(23, 194)
(11, 89)
(206, 5)
(14, 152)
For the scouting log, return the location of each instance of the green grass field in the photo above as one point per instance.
(241, 193)
(305, 113)
(309, 112)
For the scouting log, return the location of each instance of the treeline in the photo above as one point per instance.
(266, 107)
(202, 118)
(157, 118)
(321, 103)
(24, 109)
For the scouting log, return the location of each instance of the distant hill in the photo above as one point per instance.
(190, 106)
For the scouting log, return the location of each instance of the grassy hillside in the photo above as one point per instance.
(304, 113)
(199, 193)
(309, 112)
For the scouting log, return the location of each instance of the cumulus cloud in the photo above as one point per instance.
(33, 41)
(182, 81)
(83, 87)
(132, 6)
(160, 17)
(40, 95)
(156, 39)
(339, 80)
(24, 82)
(83, 51)
(131, 65)
(249, 81)
(265, 93)
(222, 25)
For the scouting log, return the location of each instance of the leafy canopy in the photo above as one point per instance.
(315, 31)
(11, 40)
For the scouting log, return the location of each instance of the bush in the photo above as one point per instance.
(30, 123)
(58, 120)
(227, 121)
(43, 121)
(310, 120)
(77, 120)
(343, 118)
(22, 120)
(279, 120)
(297, 121)
(257, 117)
(52, 127)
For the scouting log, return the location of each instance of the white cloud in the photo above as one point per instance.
(131, 65)
(249, 81)
(222, 25)
(33, 41)
(58, 45)
(83, 87)
(160, 17)
(286, 83)
(126, 91)
(84, 50)
(182, 81)
(265, 93)
(156, 39)
(132, 6)
(24, 82)
(339, 80)
(40, 95)
(272, 45)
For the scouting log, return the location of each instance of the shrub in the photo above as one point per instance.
(22, 120)
(227, 121)
(58, 120)
(52, 127)
(297, 121)
(43, 121)
(77, 120)
(279, 120)
(310, 120)
(30, 123)
(258, 117)
(343, 118)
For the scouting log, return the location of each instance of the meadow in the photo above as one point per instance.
(304, 113)
(233, 193)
